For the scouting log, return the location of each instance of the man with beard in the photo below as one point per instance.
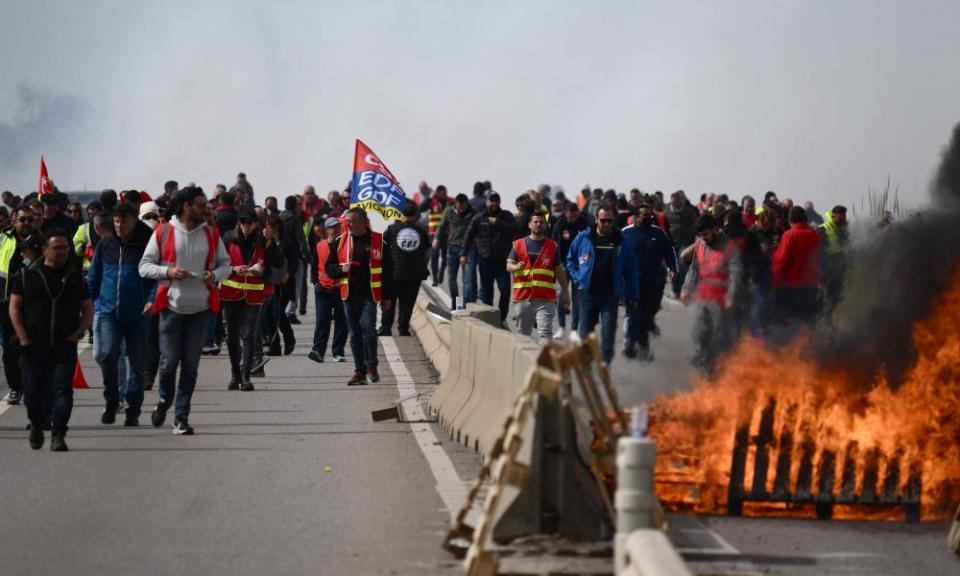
(713, 281)
(566, 228)
(11, 260)
(537, 272)
(681, 217)
(656, 261)
(492, 230)
(49, 309)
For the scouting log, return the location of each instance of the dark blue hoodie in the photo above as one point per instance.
(114, 278)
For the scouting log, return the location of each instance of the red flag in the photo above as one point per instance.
(78, 380)
(45, 186)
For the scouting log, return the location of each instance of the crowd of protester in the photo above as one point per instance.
(155, 283)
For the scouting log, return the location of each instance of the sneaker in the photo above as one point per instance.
(182, 428)
(339, 358)
(630, 350)
(574, 336)
(372, 374)
(359, 379)
(293, 319)
(315, 356)
(303, 311)
(384, 332)
(261, 373)
(247, 386)
(14, 397)
(288, 347)
(558, 334)
(109, 416)
(208, 349)
(274, 351)
(58, 443)
(148, 381)
(258, 365)
(36, 437)
(216, 350)
(131, 420)
(435, 283)
(234, 383)
(159, 414)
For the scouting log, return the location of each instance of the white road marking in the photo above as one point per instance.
(725, 547)
(451, 489)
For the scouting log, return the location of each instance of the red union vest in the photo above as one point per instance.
(536, 280)
(323, 254)
(344, 256)
(238, 286)
(714, 272)
(437, 208)
(166, 240)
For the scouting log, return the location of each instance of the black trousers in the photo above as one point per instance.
(438, 261)
(241, 328)
(11, 350)
(405, 292)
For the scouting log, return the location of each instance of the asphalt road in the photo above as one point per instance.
(293, 478)
(748, 546)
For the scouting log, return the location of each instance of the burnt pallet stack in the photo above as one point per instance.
(816, 480)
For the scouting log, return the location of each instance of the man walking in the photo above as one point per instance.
(656, 259)
(365, 273)
(834, 236)
(713, 281)
(492, 230)
(796, 273)
(567, 227)
(124, 298)
(49, 308)
(453, 229)
(327, 299)
(188, 259)
(435, 207)
(535, 263)
(11, 260)
(602, 262)
(409, 246)
(681, 217)
(293, 226)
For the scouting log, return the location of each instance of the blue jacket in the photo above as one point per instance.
(114, 280)
(582, 255)
(653, 249)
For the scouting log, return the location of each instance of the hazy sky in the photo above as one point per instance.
(814, 99)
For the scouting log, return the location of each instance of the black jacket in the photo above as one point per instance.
(564, 232)
(409, 250)
(494, 240)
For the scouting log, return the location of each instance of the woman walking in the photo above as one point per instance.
(242, 295)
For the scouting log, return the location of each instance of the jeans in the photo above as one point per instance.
(241, 324)
(470, 277)
(574, 306)
(361, 312)
(329, 307)
(438, 261)
(540, 312)
(682, 268)
(214, 333)
(495, 270)
(11, 350)
(121, 366)
(603, 310)
(181, 337)
(114, 335)
(153, 345)
(293, 284)
(266, 310)
(302, 287)
(48, 382)
(406, 292)
(759, 308)
(281, 298)
(713, 333)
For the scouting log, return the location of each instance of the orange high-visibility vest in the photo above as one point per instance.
(323, 254)
(536, 281)
(345, 254)
(166, 239)
(240, 287)
(714, 272)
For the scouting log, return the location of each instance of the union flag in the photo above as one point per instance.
(45, 186)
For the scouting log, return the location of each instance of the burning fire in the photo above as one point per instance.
(864, 436)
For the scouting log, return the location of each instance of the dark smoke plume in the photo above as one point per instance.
(44, 121)
(893, 281)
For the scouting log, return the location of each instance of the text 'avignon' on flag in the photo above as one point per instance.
(374, 188)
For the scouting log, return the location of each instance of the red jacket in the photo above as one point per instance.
(796, 263)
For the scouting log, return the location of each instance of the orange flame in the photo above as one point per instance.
(916, 426)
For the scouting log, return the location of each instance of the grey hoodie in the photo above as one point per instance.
(187, 296)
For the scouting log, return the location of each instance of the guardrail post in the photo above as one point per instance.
(635, 500)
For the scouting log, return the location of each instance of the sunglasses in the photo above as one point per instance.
(25, 220)
(151, 217)
(605, 220)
